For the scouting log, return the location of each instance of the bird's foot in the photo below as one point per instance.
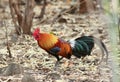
(56, 65)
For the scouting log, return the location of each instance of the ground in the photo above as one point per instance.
(30, 61)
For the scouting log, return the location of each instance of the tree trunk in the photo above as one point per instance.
(22, 21)
(90, 5)
(83, 7)
(28, 17)
(86, 6)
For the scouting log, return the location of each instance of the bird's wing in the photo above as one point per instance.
(54, 50)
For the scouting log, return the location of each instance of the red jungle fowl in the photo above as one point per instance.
(79, 47)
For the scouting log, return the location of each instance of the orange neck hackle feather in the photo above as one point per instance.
(45, 40)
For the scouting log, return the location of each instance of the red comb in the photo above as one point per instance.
(37, 30)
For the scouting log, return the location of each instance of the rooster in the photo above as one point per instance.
(79, 47)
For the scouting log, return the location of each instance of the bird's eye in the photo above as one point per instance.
(37, 37)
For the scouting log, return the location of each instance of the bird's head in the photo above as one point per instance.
(36, 33)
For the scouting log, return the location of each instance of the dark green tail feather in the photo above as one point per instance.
(83, 46)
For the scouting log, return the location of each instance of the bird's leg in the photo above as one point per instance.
(61, 58)
(56, 65)
(58, 61)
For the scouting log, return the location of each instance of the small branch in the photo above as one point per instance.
(119, 28)
(8, 47)
(43, 10)
(15, 10)
(58, 15)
